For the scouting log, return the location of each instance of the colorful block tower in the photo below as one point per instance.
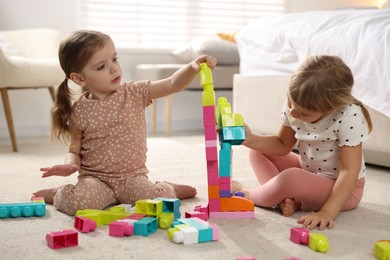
(222, 203)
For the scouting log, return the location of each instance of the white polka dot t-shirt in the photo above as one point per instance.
(319, 143)
(113, 132)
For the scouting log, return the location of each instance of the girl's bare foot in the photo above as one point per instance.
(236, 186)
(47, 194)
(183, 191)
(289, 206)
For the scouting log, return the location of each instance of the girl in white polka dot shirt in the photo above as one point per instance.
(106, 127)
(328, 126)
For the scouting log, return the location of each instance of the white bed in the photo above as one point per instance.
(272, 48)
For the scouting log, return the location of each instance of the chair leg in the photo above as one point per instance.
(8, 116)
(52, 93)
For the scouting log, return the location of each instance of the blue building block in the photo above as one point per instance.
(29, 209)
(234, 135)
(225, 193)
(171, 206)
(145, 226)
(205, 232)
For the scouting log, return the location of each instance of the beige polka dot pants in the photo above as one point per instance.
(93, 193)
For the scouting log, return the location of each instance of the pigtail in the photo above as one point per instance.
(365, 113)
(61, 112)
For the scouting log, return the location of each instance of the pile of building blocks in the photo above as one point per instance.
(222, 203)
(382, 250)
(316, 241)
(35, 208)
(192, 231)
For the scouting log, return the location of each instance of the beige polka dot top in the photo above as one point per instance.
(113, 131)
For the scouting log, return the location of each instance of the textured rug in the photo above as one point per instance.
(181, 160)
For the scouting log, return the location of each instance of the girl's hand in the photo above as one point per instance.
(59, 170)
(211, 61)
(321, 219)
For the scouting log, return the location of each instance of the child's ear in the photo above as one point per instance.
(78, 79)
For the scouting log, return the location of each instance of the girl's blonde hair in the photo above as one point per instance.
(323, 83)
(74, 53)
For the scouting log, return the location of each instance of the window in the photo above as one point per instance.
(164, 24)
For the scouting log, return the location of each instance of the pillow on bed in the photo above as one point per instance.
(225, 52)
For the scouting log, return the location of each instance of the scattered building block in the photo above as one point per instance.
(196, 214)
(84, 225)
(120, 229)
(318, 242)
(62, 239)
(145, 226)
(28, 209)
(299, 235)
(382, 250)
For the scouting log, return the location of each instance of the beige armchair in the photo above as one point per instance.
(28, 60)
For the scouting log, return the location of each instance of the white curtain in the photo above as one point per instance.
(163, 24)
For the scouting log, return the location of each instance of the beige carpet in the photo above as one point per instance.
(180, 159)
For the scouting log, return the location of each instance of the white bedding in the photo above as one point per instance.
(277, 45)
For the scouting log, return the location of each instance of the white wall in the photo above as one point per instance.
(31, 107)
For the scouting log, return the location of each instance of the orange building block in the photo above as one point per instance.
(236, 204)
(213, 192)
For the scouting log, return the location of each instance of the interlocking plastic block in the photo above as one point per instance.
(236, 204)
(84, 225)
(225, 180)
(318, 242)
(208, 96)
(382, 250)
(176, 226)
(234, 135)
(232, 120)
(123, 208)
(165, 220)
(209, 116)
(225, 186)
(171, 205)
(245, 258)
(211, 154)
(196, 214)
(62, 239)
(214, 227)
(205, 232)
(214, 205)
(213, 192)
(187, 236)
(145, 226)
(102, 217)
(234, 214)
(299, 235)
(210, 133)
(205, 75)
(136, 216)
(28, 209)
(120, 229)
(225, 193)
(153, 208)
(37, 199)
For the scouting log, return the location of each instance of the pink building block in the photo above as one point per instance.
(84, 225)
(209, 116)
(299, 235)
(120, 229)
(245, 258)
(211, 154)
(196, 214)
(137, 216)
(62, 239)
(214, 205)
(234, 214)
(225, 180)
(210, 133)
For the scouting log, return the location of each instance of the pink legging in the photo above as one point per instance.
(282, 177)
